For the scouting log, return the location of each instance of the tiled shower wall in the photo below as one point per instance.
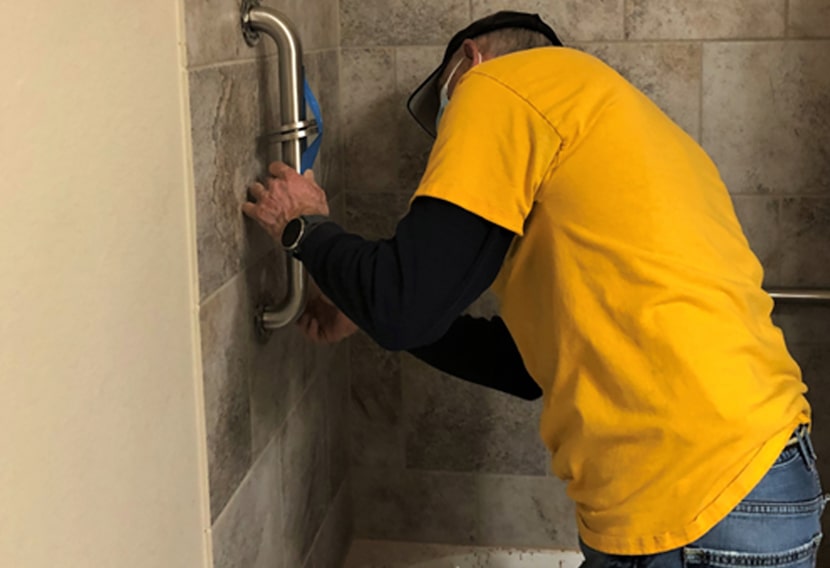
(437, 460)
(275, 412)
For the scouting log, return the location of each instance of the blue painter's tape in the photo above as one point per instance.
(310, 154)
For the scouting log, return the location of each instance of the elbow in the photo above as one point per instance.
(531, 394)
(390, 342)
(404, 335)
(398, 340)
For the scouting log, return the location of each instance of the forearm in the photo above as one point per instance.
(483, 352)
(365, 280)
(406, 291)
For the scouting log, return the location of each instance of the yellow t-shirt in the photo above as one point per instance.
(631, 293)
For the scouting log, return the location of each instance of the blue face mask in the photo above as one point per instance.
(444, 95)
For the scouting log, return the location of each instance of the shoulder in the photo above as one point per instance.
(564, 62)
(559, 83)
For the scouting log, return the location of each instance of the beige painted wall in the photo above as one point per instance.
(101, 443)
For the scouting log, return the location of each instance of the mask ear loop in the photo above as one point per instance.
(446, 86)
(444, 93)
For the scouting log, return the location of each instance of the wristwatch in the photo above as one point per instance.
(297, 229)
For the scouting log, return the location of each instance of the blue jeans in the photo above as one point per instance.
(777, 525)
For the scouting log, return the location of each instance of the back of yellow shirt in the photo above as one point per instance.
(630, 291)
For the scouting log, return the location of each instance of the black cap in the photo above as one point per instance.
(424, 102)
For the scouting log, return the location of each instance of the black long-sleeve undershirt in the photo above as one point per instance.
(407, 292)
(481, 351)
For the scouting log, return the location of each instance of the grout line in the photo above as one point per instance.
(242, 271)
(321, 50)
(295, 408)
(348, 403)
(230, 62)
(331, 511)
(787, 18)
(626, 6)
(339, 150)
(245, 478)
(617, 41)
(779, 195)
(209, 298)
(460, 474)
(338, 23)
(395, 77)
(264, 57)
(464, 548)
(691, 40)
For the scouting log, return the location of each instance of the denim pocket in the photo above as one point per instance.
(800, 557)
(787, 456)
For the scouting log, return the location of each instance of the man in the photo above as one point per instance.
(630, 300)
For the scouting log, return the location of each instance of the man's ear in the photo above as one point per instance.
(472, 51)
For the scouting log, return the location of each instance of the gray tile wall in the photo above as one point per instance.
(436, 460)
(275, 413)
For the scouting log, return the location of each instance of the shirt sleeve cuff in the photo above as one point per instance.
(312, 242)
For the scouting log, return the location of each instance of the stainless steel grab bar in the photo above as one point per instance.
(801, 296)
(292, 136)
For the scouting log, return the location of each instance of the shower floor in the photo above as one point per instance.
(386, 554)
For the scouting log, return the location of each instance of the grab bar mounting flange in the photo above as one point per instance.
(248, 32)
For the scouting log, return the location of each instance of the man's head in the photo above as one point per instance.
(484, 39)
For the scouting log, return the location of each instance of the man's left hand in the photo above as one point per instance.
(322, 321)
(284, 196)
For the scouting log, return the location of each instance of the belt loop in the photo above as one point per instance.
(802, 434)
(809, 441)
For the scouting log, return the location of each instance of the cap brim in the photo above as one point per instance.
(424, 102)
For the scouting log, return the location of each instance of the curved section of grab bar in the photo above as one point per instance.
(292, 137)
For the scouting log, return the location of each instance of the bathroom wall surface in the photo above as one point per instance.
(275, 412)
(437, 460)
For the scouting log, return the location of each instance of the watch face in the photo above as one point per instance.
(291, 233)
